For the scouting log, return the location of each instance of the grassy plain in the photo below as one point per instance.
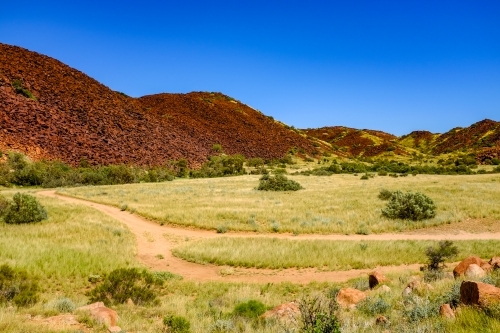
(77, 241)
(321, 254)
(335, 204)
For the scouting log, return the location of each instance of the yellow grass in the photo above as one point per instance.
(336, 204)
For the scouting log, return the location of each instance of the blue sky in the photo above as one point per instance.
(395, 66)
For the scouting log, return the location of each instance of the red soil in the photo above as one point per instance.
(76, 117)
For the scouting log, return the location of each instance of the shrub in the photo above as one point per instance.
(124, 283)
(365, 176)
(4, 205)
(277, 183)
(371, 306)
(384, 194)
(217, 148)
(250, 309)
(19, 89)
(412, 206)
(176, 324)
(64, 305)
(221, 229)
(25, 209)
(255, 162)
(438, 255)
(17, 287)
(319, 315)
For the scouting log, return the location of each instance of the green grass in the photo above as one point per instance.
(335, 204)
(74, 242)
(321, 254)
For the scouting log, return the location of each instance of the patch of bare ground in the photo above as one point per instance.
(155, 244)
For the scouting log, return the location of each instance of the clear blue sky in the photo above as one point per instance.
(395, 66)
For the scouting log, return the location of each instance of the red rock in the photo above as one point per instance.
(288, 312)
(446, 311)
(375, 278)
(101, 313)
(495, 262)
(349, 297)
(462, 266)
(478, 293)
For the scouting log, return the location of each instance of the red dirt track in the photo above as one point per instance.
(76, 117)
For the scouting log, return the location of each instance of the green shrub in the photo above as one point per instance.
(438, 255)
(373, 306)
(365, 176)
(250, 309)
(17, 287)
(19, 89)
(124, 283)
(25, 209)
(412, 206)
(319, 315)
(176, 324)
(4, 205)
(255, 162)
(217, 148)
(64, 305)
(221, 229)
(384, 194)
(277, 183)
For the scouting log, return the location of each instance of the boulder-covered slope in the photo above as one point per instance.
(50, 110)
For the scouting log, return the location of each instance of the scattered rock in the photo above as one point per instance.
(375, 278)
(495, 262)
(446, 311)
(407, 291)
(384, 289)
(462, 266)
(114, 329)
(474, 272)
(288, 312)
(478, 293)
(130, 302)
(101, 313)
(349, 297)
(381, 320)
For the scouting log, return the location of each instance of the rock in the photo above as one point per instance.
(288, 312)
(478, 293)
(462, 266)
(130, 302)
(474, 272)
(495, 262)
(375, 278)
(381, 320)
(407, 291)
(349, 297)
(114, 329)
(446, 311)
(384, 289)
(101, 313)
(487, 267)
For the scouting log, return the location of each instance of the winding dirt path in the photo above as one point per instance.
(154, 239)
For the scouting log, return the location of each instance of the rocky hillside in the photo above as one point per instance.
(481, 138)
(354, 142)
(50, 110)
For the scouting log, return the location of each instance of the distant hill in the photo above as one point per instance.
(50, 110)
(481, 139)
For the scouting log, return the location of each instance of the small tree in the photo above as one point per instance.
(278, 183)
(25, 209)
(438, 255)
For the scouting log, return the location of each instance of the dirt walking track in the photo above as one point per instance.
(154, 239)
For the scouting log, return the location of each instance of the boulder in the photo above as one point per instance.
(375, 278)
(381, 320)
(384, 289)
(349, 297)
(474, 272)
(288, 312)
(101, 313)
(446, 311)
(495, 262)
(462, 266)
(114, 329)
(478, 293)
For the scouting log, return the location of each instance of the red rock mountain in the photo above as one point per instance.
(72, 116)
